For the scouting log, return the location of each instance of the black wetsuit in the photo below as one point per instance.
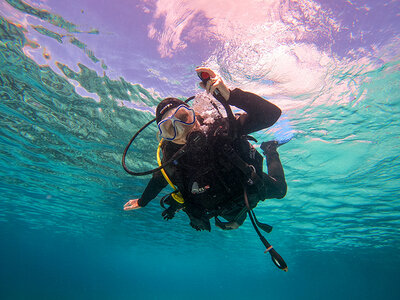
(259, 114)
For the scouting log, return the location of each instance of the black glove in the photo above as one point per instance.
(200, 224)
(269, 146)
(169, 213)
(174, 206)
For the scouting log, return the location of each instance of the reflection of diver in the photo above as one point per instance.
(217, 172)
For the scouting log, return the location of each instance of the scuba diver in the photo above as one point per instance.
(214, 169)
(214, 188)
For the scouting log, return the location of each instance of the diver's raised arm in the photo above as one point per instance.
(260, 113)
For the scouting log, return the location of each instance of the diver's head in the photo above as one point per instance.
(175, 119)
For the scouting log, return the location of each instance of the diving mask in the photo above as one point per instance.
(175, 121)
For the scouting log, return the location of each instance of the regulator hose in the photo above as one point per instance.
(178, 154)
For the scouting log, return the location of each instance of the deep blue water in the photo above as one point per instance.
(64, 234)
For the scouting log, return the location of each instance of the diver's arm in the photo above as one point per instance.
(260, 113)
(156, 184)
(153, 188)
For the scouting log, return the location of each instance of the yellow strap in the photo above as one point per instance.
(176, 195)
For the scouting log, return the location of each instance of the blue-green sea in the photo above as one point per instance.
(63, 231)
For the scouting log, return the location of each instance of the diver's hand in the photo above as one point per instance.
(169, 213)
(200, 224)
(214, 83)
(132, 204)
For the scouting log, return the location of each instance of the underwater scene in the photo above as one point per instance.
(79, 78)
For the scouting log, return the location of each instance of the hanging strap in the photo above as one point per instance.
(276, 258)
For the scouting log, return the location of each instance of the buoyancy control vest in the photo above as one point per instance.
(216, 167)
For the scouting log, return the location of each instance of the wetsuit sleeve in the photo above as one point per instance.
(156, 184)
(260, 113)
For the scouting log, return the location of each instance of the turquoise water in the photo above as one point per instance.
(65, 236)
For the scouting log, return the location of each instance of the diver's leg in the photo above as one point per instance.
(275, 182)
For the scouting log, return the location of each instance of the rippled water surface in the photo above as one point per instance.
(78, 78)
